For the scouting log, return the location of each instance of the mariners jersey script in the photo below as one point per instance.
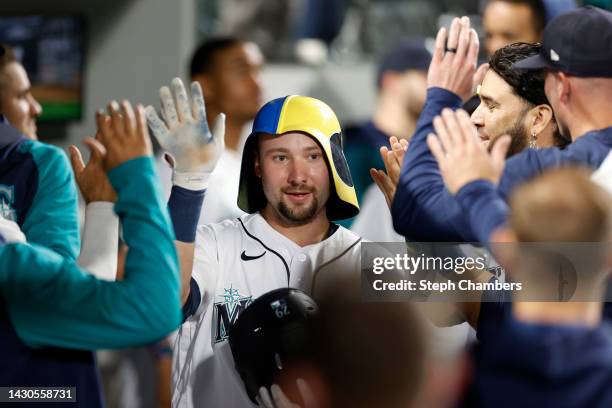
(235, 262)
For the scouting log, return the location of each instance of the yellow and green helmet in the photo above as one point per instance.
(295, 113)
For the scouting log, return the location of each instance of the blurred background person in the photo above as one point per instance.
(17, 104)
(401, 81)
(509, 21)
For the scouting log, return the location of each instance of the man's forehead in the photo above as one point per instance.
(508, 17)
(288, 141)
(494, 87)
(13, 75)
(242, 54)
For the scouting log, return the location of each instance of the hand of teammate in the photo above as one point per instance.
(10, 231)
(123, 133)
(276, 398)
(91, 178)
(453, 64)
(461, 156)
(185, 135)
(387, 182)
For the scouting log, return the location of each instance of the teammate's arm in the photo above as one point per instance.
(81, 311)
(423, 209)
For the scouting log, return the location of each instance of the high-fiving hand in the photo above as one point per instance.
(387, 181)
(185, 135)
(454, 61)
(461, 156)
(91, 178)
(123, 133)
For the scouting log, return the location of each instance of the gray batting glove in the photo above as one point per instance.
(184, 134)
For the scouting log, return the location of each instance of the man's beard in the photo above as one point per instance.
(303, 214)
(518, 136)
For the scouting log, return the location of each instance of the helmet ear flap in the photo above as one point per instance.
(340, 163)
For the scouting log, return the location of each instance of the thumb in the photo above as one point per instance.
(500, 149)
(76, 160)
(96, 149)
(218, 132)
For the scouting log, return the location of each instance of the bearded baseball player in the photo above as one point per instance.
(294, 182)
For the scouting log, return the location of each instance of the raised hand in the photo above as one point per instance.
(461, 156)
(185, 135)
(91, 178)
(453, 64)
(387, 182)
(123, 134)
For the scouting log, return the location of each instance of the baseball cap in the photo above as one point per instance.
(407, 54)
(578, 42)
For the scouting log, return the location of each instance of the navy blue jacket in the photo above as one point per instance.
(529, 365)
(423, 210)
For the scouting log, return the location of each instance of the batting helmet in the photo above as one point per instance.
(315, 118)
(276, 328)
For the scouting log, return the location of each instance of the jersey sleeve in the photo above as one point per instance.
(52, 302)
(52, 219)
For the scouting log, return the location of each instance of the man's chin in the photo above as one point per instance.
(300, 213)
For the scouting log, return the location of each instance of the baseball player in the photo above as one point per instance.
(294, 182)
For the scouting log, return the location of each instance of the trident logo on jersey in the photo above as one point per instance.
(7, 199)
(227, 312)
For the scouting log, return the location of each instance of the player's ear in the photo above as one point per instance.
(541, 116)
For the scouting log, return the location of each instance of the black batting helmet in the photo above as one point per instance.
(278, 327)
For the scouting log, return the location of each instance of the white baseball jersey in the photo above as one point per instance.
(235, 262)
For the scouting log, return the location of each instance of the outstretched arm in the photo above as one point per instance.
(80, 311)
(193, 152)
(423, 209)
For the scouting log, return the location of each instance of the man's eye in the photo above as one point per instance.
(314, 156)
(280, 158)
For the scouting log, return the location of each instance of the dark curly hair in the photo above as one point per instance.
(527, 84)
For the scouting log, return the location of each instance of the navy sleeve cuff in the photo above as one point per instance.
(184, 207)
(436, 93)
(193, 300)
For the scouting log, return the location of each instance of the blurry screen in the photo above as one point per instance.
(51, 50)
